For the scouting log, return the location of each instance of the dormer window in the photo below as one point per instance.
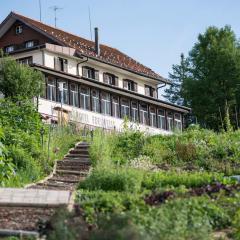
(9, 49)
(29, 44)
(110, 79)
(130, 85)
(91, 73)
(150, 91)
(19, 29)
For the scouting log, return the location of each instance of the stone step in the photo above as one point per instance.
(73, 168)
(69, 172)
(79, 151)
(64, 180)
(82, 146)
(70, 155)
(83, 159)
(69, 161)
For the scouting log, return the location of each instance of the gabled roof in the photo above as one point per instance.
(86, 47)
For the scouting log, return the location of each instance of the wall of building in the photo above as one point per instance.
(92, 119)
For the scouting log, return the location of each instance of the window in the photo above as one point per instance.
(84, 98)
(125, 108)
(170, 121)
(19, 29)
(161, 119)
(134, 112)
(115, 107)
(110, 79)
(153, 120)
(143, 113)
(150, 91)
(51, 88)
(95, 101)
(29, 44)
(106, 103)
(26, 60)
(177, 122)
(129, 85)
(9, 49)
(62, 93)
(74, 94)
(89, 72)
(61, 64)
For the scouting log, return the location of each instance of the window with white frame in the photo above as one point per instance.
(115, 106)
(134, 111)
(153, 120)
(143, 113)
(161, 119)
(74, 95)
(150, 91)
(105, 103)
(19, 29)
(29, 44)
(170, 121)
(61, 64)
(110, 79)
(62, 93)
(130, 85)
(91, 73)
(125, 108)
(95, 101)
(51, 88)
(9, 49)
(84, 98)
(25, 61)
(177, 122)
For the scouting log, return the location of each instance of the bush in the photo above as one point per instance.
(117, 179)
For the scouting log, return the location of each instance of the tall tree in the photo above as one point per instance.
(18, 80)
(175, 93)
(215, 77)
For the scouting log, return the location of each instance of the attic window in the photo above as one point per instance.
(19, 29)
(9, 49)
(29, 44)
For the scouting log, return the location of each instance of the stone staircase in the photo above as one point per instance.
(68, 172)
(21, 210)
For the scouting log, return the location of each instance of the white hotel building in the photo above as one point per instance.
(101, 85)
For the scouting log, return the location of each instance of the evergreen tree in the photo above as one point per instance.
(175, 93)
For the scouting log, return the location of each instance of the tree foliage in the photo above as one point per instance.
(175, 93)
(212, 79)
(17, 80)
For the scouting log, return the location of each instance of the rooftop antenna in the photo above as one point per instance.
(40, 10)
(55, 9)
(90, 21)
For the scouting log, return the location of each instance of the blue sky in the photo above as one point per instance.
(154, 32)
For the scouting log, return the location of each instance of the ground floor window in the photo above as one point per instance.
(135, 112)
(115, 106)
(105, 103)
(74, 95)
(177, 121)
(161, 119)
(95, 101)
(62, 92)
(153, 120)
(170, 121)
(125, 108)
(85, 98)
(51, 88)
(143, 113)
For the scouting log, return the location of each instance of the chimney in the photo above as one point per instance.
(97, 49)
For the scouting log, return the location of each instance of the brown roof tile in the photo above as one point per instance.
(107, 54)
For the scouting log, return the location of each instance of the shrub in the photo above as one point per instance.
(116, 179)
